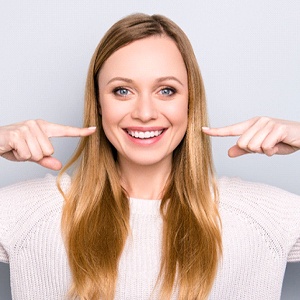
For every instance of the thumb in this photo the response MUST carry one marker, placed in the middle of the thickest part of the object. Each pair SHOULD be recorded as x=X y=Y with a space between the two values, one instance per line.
x=236 y=151
x=50 y=162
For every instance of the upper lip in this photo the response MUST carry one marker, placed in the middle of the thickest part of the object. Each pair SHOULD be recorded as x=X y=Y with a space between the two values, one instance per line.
x=144 y=129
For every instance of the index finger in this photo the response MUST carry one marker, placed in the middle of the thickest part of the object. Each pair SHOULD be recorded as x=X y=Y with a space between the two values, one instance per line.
x=231 y=130
x=57 y=130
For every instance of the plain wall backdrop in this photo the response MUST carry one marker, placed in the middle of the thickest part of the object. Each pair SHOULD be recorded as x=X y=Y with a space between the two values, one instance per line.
x=248 y=52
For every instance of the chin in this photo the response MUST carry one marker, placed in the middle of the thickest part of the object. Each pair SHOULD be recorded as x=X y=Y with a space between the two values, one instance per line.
x=146 y=160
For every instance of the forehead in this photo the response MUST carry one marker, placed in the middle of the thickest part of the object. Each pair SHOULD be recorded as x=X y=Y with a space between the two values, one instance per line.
x=152 y=57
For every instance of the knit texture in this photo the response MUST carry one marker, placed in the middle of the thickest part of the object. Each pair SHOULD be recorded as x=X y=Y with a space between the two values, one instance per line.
x=260 y=227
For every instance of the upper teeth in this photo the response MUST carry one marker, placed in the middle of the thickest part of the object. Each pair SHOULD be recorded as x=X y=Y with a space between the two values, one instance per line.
x=144 y=134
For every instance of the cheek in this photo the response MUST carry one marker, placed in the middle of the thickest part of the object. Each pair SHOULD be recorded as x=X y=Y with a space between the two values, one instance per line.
x=109 y=122
x=109 y=125
x=108 y=118
x=179 y=114
x=111 y=113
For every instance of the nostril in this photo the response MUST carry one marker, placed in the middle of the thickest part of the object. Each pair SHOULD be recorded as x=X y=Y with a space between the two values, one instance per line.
x=144 y=109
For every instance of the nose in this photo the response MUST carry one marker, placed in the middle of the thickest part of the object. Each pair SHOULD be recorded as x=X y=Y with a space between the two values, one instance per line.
x=144 y=108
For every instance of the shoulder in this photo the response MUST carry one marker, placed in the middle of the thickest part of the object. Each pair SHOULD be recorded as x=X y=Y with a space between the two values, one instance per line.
x=233 y=190
x=258 y=200
x=29 y=197
x=271 y=212
x=28 y=192
x=26 y=204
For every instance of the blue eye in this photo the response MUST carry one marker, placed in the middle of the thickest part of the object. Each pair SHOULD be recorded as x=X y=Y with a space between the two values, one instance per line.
x=120 y=91
x=167 y=91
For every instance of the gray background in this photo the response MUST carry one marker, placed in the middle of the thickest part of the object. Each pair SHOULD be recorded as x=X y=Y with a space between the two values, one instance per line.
x=248 y=51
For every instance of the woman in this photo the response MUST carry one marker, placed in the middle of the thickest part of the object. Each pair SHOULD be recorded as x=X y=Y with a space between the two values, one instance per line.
x=140 y=217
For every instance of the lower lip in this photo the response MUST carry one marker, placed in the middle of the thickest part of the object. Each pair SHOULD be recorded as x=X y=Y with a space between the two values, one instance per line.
x=145 y=142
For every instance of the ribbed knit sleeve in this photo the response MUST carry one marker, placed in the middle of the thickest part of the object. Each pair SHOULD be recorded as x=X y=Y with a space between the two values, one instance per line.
x=19 y=203
x=294 y=255
x=11 y=208
x=31 y=240
x=260 y=231
x=274 y=212
x=4 y=225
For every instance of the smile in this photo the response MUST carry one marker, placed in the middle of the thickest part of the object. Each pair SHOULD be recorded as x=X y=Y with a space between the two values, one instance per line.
x=144 y=134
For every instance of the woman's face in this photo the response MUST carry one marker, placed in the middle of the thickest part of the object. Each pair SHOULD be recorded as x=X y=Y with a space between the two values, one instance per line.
x=143 y=91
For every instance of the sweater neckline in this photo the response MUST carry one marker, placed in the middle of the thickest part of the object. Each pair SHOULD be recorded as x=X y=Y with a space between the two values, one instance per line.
x=144 y=206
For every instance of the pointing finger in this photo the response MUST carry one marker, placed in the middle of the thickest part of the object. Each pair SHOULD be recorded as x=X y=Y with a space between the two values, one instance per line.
x=67 y=131
x=232 y=130
x=56 y=130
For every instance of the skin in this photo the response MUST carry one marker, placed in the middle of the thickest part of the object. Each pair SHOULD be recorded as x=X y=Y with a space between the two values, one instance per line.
x=143 y=87
x=262 y=135
x=16 y=139
x=29 y=141
x=144 y=168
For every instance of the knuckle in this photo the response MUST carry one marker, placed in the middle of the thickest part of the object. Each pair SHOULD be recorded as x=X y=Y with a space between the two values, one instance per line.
x=40 y=122
x=44 y=126
x=268 y=149
x=37 y=157
x=24 y=128
x=48 y=152
x=14 y=135
x=256 y=148
x=30 y=123
x=257 y=118
x=265 y=119
x=280 y=128
x=24 y=157
x=241 y=144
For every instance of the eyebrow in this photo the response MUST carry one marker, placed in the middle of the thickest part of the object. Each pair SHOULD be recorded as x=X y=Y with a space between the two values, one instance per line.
x=120 y=79
x=158 y=80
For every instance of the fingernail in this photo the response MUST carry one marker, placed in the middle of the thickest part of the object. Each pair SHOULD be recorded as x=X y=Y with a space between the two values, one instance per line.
x=205 y=128
x=92 y=128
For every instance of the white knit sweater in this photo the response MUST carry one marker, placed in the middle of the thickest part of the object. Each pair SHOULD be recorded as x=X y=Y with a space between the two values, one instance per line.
x=261 y=226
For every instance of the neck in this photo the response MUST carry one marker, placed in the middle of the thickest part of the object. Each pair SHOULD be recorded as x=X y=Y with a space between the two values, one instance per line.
x=144 y=182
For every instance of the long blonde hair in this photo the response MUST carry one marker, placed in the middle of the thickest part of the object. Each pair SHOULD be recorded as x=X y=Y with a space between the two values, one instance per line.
x=95 y=220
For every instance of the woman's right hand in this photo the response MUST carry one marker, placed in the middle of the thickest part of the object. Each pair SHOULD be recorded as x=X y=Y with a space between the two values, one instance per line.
x=29 y=141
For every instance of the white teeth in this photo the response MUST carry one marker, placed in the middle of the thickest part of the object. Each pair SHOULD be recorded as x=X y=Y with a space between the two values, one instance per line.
x=144 y=134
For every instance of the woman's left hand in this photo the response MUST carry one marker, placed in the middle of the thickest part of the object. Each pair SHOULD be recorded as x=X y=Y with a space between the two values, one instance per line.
x=261 y=135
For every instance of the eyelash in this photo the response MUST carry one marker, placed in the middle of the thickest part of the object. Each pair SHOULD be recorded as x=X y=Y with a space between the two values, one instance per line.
x=119 y=88
x=173 y=91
